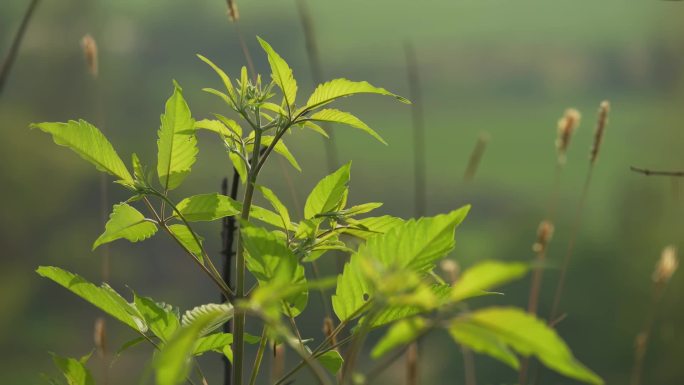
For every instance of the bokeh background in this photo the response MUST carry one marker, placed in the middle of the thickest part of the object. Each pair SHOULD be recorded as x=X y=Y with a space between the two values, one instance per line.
x=506 y=68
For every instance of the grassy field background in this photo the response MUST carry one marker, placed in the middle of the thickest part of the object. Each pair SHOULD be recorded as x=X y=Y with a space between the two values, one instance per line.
x=507 y=68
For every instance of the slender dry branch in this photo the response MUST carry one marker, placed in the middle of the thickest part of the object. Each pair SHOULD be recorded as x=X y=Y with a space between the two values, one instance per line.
x=11 y=56
x=665 y=267
x=419 y=182
x=476 y=157
x=648 y=172
x=313 y=54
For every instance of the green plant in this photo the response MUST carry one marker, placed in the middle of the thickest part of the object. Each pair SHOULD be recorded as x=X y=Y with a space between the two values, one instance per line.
x=388 y=280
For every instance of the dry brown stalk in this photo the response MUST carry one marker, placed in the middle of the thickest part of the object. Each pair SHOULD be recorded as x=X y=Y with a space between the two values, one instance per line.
x=665 y=268
x=566 y=127
x=476 y=156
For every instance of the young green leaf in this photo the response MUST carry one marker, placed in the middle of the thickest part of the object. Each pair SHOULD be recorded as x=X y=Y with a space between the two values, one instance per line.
x=138 y=170
x=328 y=193
x=279 y=148
x=223 y=76
x=215 y=126
x=126 y=222
x=397 y=312
x=240 y=166
x=281 y=73
x=416 y=244
x=177 y=144
x=277 y=205
x=485 y=276
x=172 y=363
x=103 y=297
x=88 y=142
x=74 y=371
x=337 y=116
x=331 y=360
x=161 y=318
x=222 y=313
x=525 y=334
x=339 y=88
x=208 y=207
x=273 y=263
x=400 y=333
x=185 y=237
x=353 y=290
x=371 y=226
x=213 y=342
x=483 y=340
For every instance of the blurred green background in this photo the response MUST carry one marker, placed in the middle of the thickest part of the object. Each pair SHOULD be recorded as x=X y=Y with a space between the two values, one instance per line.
x=507 y=68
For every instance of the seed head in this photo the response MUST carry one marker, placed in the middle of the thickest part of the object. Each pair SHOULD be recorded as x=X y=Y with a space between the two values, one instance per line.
x=451 y=268
x=604 y=108
x=89 y=47
x=233 y=13
x=328 y=328
x=544 y=235
x=100 y=336
x=566 y=127
x=666 y=266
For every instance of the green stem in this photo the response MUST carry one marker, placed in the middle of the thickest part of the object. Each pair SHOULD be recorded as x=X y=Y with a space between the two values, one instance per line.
x=259 y=357
x=213 y=272
x=239 y=343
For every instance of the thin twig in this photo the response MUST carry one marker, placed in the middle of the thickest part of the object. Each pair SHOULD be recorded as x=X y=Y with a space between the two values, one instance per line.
x=648 y=172
x=476 y=157
x=577 y=224
x=11 y=56
x=419 y=182
x=418 y=130
x=313 y=54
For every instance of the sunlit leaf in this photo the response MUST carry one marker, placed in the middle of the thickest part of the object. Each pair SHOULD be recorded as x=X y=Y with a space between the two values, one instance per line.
x=177 y=144
x=399 y=334
x=185 y=237
x=172 y=364
x=328 y=193
x=525 y=334
x=208 y=207
x=74 y=371
x=277 y=205
x=161 y=318
x=331 y=360
x=126 y=222
x=281 y=73
x=337 y=116
x=273 y=263
x=369 y=227
x=221 y=313
x=226 y=80
x=213 y=342
x=339 y=88
x=88 y=142
x=482 y=340
x=485 y=276
x=103 y=297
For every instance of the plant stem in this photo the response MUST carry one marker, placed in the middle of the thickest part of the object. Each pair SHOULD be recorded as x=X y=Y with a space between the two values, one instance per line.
x=228 y=234
x=571 y=245
x=16 y=42
x=213 y=272
x=643 y=337
x=313 y=55
x=259 y=357
x=648 y=172
x=239 y=332
x=419 y=182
